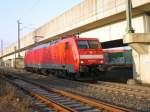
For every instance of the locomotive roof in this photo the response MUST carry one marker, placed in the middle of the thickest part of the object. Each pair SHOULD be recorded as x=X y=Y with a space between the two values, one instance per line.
x=44 y=45
x=55 y=41
x=39 y=46
x=84 y=38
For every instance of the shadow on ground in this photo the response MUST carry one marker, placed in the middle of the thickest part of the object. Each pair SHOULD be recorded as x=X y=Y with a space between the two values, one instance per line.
x=120 y=75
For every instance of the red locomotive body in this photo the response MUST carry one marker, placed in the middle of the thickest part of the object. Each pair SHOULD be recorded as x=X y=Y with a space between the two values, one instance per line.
x=71 y=56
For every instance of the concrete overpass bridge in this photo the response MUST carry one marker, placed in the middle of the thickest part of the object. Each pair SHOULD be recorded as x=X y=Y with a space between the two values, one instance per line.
x=107 y=15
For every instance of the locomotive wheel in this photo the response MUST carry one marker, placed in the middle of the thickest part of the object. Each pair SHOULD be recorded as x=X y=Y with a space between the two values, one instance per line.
x=68 y=76
x=56 y=73
x=59 y=73
x=77 y=76
x=73 y=77
x=44 y=71
x=63 y=73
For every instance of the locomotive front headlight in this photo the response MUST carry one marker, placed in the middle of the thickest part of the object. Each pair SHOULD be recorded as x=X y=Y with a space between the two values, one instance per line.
x=101 y=61
x=81 y=62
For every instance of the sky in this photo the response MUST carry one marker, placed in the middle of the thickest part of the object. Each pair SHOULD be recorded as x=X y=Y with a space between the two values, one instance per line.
x=31 y=13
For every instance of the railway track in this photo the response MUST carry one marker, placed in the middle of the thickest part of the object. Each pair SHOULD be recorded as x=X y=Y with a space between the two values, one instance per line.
x=137 y=91
x=135 y=98
x=143 y=91
x=121 y=88
x=39 y=103
x=62 y=101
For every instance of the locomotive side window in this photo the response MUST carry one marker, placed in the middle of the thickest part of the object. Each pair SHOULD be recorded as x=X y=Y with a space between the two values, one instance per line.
x=67 y=45
x=88 y=44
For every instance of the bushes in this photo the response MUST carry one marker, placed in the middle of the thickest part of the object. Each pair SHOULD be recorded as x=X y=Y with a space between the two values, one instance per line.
x=10 y=99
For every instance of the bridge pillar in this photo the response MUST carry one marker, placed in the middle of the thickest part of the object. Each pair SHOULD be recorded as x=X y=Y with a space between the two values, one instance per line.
x=140 y=43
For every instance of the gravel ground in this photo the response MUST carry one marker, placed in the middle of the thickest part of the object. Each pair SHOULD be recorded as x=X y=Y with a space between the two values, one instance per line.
x=121 y=99
x=11 y=99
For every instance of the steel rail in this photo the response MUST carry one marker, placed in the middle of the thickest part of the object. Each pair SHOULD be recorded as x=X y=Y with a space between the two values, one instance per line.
x=85 y=100
x=48 y=102
x=52 y=104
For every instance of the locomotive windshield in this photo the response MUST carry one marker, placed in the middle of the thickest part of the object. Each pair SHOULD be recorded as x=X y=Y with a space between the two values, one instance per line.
x=88 y=44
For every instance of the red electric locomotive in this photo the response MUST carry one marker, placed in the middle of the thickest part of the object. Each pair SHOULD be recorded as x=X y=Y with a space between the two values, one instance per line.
x=73 y=57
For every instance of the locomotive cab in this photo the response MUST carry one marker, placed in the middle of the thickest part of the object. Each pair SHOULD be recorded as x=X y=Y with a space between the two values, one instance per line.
x=90 y=55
